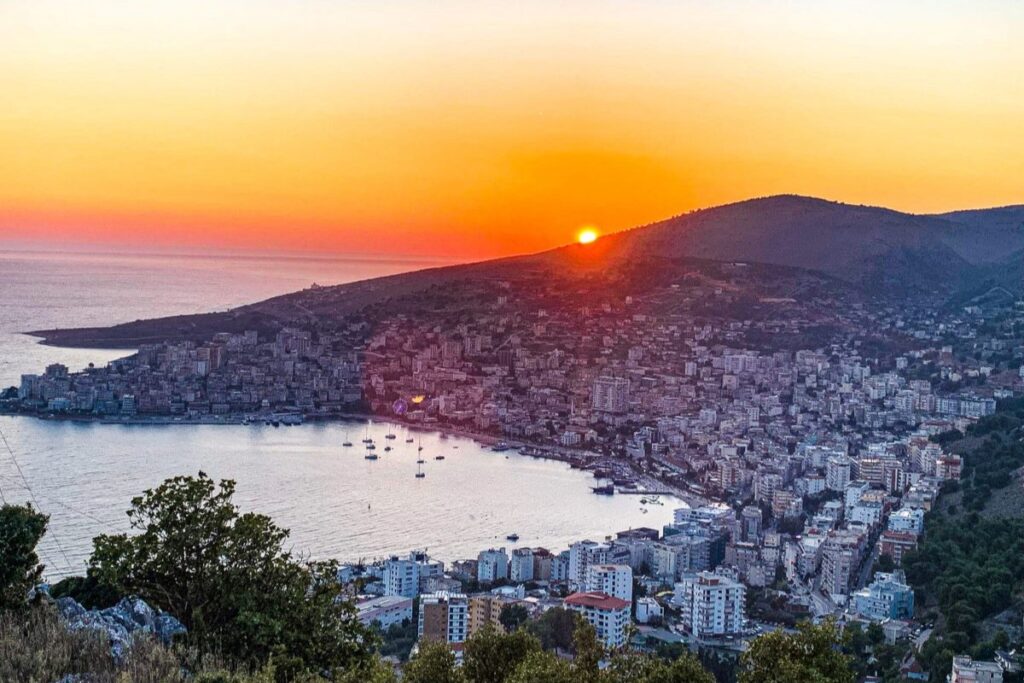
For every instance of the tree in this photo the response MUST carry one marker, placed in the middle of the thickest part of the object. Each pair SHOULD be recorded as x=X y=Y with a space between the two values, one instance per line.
x=554 y=629
x=374 y=671
x=21 y=529
x=434 y=663
x=643 y=669
x=543 y=667
x=811 y=655
x=885 y=563
x=588 y=650
x=226 y=577
x=491 y=656
x=513 y=616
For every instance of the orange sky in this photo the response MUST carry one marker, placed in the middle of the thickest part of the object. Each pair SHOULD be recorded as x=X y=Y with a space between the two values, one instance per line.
x=472 y=129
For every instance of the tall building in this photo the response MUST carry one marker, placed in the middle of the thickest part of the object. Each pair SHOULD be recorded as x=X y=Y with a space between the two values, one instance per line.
x=751 y=519
x=485 y=609
x=612 y=579
x=492 y=565
x=582 y=554
x=403 y=575
x=840 y=557
x=711 y=604
x=610 y=394
x=521 y=566
x=837 y=472
x=444 y=617
x=608 y=615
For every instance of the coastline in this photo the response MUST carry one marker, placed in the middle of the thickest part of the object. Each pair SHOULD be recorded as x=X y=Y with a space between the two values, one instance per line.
x=575 y=458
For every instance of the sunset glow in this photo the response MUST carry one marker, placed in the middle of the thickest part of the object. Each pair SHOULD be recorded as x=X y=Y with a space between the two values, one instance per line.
x=476 y=129
x=587 y=235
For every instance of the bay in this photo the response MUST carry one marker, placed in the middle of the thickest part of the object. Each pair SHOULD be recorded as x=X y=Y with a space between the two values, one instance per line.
x=336 y=504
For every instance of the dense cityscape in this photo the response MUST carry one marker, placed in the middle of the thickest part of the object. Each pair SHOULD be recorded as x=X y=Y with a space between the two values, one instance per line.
x=810 y=471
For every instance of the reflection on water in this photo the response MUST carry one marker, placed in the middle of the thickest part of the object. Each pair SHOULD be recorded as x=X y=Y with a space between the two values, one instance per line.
x=336 y=503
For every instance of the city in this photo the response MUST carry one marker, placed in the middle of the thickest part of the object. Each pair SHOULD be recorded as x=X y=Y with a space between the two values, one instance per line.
x=809 y=470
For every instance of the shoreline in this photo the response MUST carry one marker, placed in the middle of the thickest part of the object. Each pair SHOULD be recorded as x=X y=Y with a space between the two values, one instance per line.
x=575 y=459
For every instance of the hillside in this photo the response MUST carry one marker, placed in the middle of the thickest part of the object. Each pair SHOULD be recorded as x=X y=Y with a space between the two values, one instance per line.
x=879 y=251
x=987 y=235
x=870 y=246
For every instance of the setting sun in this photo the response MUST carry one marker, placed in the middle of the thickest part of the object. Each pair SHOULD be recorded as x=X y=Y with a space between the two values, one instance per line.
x=587 y=235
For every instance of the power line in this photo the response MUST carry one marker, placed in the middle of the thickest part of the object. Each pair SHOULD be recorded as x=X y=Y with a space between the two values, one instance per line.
x=32 y=496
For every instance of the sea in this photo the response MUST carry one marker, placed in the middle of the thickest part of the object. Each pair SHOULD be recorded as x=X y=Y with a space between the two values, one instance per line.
x=336 y=504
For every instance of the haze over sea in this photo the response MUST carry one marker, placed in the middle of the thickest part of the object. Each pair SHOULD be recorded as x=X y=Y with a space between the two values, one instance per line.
x=337 y=504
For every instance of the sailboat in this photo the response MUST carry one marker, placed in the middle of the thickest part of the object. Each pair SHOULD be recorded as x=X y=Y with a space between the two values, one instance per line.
x=420 y=460
x=421 y=444
x=367 y=439
x=420 y=473
x=347 y=443
x=370 y=455
x=390 y=435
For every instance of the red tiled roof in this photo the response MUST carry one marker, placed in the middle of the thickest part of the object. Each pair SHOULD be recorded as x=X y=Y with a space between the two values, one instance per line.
x=596 y=599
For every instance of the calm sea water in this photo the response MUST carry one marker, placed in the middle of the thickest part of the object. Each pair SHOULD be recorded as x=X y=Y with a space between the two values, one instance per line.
x=336 y=503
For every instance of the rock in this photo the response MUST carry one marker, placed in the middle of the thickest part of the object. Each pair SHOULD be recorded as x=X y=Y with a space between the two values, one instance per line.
x=167 y=627
x=121 y=623
x=69 y=608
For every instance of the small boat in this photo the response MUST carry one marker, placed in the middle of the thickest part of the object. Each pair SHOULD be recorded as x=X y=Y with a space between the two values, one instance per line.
x=409 y=440
x=500 y=446
x=438 y=457
x=420 y=473
x=387 y=448
x=643 y=501
x=420 y=461
x=371 y=456
x=606 y=490
x=347 y=444
x=390 y=436
x=420 y=447
x=512 y=537
x=370 y=447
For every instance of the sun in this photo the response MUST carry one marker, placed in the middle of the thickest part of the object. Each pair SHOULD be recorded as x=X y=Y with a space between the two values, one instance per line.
x=587 y=235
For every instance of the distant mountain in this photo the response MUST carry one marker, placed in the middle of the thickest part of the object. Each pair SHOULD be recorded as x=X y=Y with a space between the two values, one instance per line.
x=988 y=235
x=870 y=246
x=954 y=257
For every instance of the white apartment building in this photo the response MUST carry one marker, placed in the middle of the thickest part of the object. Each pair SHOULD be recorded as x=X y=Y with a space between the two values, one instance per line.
x=612 y=579
x=837 y=472
x=711 y=604
x=402 y=576
x=608 y=615
x=582 y=554
x=491 y=565
x=907 y=521
x=521 y=565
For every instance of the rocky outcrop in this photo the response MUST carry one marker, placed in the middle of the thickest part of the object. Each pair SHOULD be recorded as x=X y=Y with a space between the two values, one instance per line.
x=122 y=622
